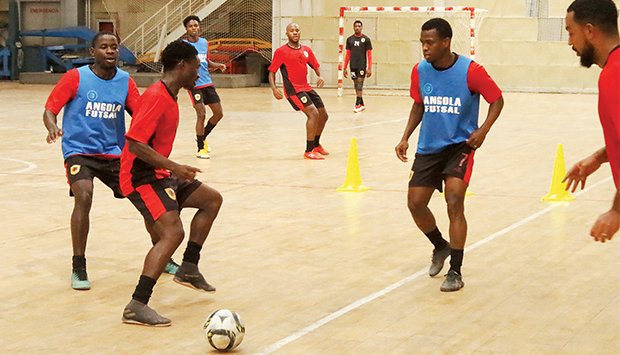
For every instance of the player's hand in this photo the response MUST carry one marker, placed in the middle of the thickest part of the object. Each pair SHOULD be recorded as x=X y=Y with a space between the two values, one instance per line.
x=186 y=172
x=53 y=134
x=606 y=226
x=368 y=73
x=477 y=137
x=401 y=150
x=222 y=67
x=580 y=172
x=320 y=82
x=345 y=73
x=277 y=94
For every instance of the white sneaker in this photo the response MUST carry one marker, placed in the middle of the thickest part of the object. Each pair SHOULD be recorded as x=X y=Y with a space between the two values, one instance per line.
x=202 y=154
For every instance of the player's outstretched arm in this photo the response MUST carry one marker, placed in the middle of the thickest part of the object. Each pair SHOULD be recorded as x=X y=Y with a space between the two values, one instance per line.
x=274 y=89
x=51 y=123
x=415 y=117
x=220 y=66
x=608 y=223
x=582 y=169
x=146 y=153
x=476 y=139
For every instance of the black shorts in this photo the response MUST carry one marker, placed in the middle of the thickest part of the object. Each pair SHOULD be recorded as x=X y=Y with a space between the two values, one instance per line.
x=358 y=73
x=87 y=167
x=431 y=169
x=207 y=95
x=153 y=200
x=304 y=99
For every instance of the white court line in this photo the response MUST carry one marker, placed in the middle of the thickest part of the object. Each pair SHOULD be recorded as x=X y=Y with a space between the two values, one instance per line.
x=362 y=301
x=29 y=166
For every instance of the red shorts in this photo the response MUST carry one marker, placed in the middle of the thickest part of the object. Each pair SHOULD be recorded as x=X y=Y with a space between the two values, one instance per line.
x=164 y=195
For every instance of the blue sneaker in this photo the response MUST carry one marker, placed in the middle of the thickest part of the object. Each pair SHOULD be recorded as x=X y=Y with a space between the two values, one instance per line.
x=171 y=267
x=79 y=280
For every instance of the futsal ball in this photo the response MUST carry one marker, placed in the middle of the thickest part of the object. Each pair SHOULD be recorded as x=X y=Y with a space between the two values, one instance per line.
x=224 y=329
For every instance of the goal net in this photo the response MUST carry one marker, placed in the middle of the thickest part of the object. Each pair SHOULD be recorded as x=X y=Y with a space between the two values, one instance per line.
x=394 y=32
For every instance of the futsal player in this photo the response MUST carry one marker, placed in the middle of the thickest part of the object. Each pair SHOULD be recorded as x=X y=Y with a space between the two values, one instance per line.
x=204 y=93
x=592 y=27
x=359 y=53
x=446 y=89
x=293 y=59
x=95 y=99
x=159 y=187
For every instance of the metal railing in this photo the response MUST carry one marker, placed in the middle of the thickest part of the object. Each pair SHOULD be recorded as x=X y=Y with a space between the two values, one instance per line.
x=144 y=38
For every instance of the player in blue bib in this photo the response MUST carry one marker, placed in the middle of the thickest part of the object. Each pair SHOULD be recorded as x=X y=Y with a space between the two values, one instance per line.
x=204 y=93
x=446 y=89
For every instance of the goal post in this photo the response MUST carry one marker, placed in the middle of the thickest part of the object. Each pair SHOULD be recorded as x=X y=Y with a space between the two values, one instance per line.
x=466 y=27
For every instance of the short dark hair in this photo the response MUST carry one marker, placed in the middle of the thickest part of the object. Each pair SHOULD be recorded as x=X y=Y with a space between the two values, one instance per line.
x=100 y=34
x=600 y=13
x=189 y=18
x=358 y=21
x=442 y=27
x=175 y=52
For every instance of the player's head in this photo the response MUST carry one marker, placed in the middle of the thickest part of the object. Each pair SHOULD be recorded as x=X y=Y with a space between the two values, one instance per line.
x=181 y=58
x=105 y=48
x=357 y=27
x=435 y=38
x=192 y=25
x=293 y=32
x=588 y=23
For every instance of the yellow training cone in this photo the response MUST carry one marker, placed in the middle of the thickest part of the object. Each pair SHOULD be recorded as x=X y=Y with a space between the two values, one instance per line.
x=558 y=191
x=353 y=179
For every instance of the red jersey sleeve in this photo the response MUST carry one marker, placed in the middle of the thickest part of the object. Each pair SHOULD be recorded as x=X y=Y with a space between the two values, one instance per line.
x=63 y=92
x=314 y=64
x=145 y=120
x=133 y=95
x=414 y=90
x=479 y=81
x=277 y=61
x=609 y=96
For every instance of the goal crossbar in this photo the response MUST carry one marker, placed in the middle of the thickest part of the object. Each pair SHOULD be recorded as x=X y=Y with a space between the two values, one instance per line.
x=472 y=11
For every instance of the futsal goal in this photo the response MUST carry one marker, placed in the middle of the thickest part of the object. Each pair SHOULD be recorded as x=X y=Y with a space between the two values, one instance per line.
x=395 y=31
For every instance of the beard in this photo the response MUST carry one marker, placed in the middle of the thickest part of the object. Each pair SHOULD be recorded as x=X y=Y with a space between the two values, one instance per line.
x=586 y=58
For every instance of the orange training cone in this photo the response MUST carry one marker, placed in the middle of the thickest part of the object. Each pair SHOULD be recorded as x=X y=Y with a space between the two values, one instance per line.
x=353 y=178
x=558 y=191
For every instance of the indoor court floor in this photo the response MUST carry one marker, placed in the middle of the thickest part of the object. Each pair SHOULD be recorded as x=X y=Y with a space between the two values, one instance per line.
x=309 y=269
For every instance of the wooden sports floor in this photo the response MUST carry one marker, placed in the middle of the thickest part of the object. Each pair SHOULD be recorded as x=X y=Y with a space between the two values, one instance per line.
x=309 y=269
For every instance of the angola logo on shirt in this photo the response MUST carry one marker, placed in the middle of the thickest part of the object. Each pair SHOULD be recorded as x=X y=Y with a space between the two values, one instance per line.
x=304 y=99
x=171 y=193
x=363 y=40
x=306 y=54
x=75 y=169
x=92 y=95
x=428 y=88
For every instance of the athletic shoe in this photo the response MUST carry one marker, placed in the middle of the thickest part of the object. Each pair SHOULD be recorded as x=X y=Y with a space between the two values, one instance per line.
x=362 y=108
x=188 y=275
x=320 y=150
x=138 y=313
x=439 y=257
x=312 y=155
x=79 y=280
x=453 y=282
x=171 y=267
x=357 y=108
x=207 y=147
x=202 y=154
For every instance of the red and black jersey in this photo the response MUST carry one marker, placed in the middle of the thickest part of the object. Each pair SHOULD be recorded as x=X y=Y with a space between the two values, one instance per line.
x=609 y=110
x=293 y=64
x=155 y=123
